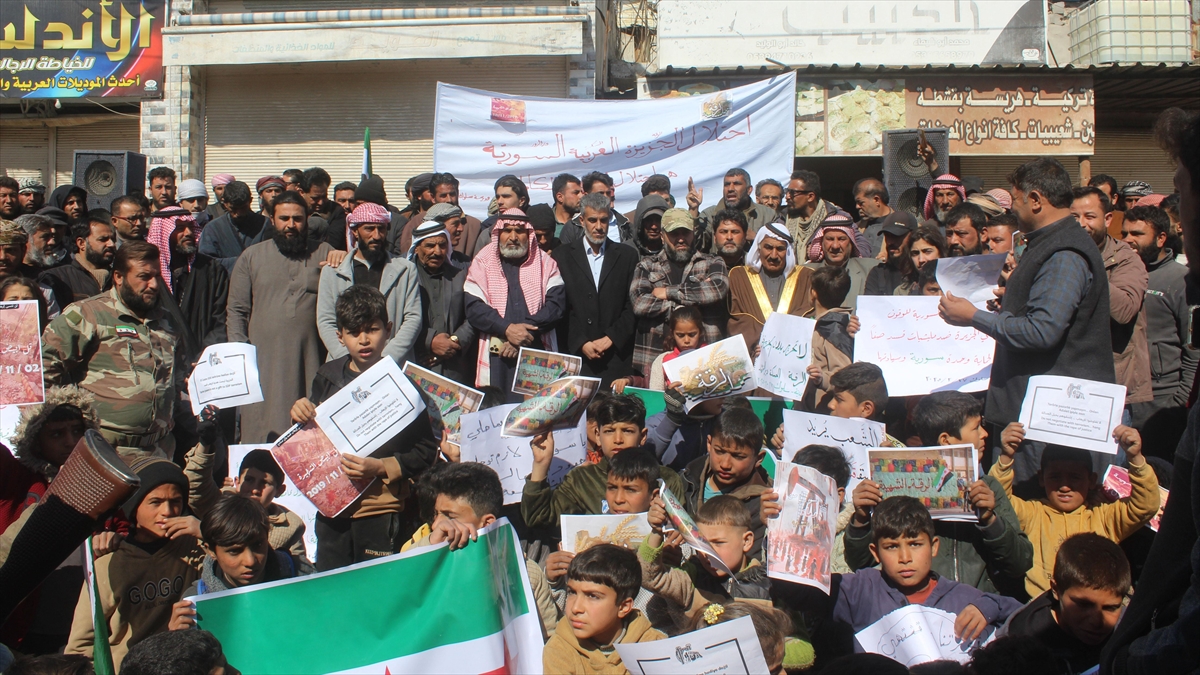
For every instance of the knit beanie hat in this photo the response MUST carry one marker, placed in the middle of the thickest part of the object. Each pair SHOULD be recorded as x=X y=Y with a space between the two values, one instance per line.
x=153 y=472
x=371 y=190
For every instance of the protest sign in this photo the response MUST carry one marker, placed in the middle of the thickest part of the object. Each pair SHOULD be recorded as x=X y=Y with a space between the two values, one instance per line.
x=1072 y=412
x=1118 y=486
x=728 y=648
x=363 y=415
x=721 y=369
x=854 y=436
x=580 y=533
x=20 y=354
x=512 y=458
x=558 y=405
x=972 y=276
x=785 y=352
x=940 y=476
x=917 y=351
x=291 y=498
x=537 y=368
x=629 y=140
x=449 y=397
x=226 y=375
x=917 y=634
x=485 y=619
x=800 y=539
x=683 y=523
x=314 y=466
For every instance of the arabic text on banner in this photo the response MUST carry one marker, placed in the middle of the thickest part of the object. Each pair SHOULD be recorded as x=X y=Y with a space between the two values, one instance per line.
x=512 y=458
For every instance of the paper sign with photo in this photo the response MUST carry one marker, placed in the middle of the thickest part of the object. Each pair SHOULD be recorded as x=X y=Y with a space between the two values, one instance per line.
x=800 y=540
x=785 y=352
x=972 y=277
x=512 y=458
x=681 y=522
x=20 y=354
x=558 y=405
x=451 y=398
x=721 y=369
x=939 y=476
x=622 y=529
x=855 y=436
x=226 y=375
x=917 y=351
x=917 y=634
x=314 y=466
x=1118 y=486
x=378 y=404
x=291 y=498
x=537 y=368
x=1072 y=412
x=727 y=648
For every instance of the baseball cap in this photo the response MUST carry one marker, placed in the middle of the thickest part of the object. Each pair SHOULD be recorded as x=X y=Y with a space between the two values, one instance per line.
x=674 y=219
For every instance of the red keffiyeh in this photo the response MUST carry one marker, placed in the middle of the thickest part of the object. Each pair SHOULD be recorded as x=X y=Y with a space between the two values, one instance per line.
x=162 y=226
x=946 y=180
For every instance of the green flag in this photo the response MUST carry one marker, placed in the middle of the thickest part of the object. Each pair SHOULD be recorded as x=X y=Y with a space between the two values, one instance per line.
x=366 y=168
x=101 y=652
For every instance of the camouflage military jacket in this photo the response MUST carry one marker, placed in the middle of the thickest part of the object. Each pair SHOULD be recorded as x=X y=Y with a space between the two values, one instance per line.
x=126 y=362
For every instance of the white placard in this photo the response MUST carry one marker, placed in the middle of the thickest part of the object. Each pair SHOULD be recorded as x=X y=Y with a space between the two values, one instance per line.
x=917 y=351
x=972 y=277
x=291 y=498
x=854 y=436
x=479 y=135
x=917 y=634
x=715 y=371
x=800 y=539
x=785 y=353
x=729 y=648
x=1072 y=412
x=512 y=458
x=371 y=410
x=226 y=375
x=622 y=529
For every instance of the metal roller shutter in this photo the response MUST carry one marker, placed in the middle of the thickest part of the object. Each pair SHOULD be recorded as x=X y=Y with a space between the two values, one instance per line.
x=994 y=170
x=262 y=120
x=24 y=152
x=122 y=133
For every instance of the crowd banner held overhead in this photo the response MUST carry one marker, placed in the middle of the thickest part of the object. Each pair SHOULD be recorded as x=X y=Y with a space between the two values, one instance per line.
x=430 y=610
x=78 y=48
x=481 y=135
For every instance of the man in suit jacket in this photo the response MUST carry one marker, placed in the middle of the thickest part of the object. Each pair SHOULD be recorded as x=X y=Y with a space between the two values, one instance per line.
x=597 y=273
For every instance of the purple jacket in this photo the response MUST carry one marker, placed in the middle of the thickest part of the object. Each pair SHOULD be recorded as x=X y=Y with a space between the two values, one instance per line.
x=865 y=596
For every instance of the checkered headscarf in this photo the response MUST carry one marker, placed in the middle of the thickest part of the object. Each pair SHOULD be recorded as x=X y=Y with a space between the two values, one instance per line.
x=162 y=227
x=946 y=180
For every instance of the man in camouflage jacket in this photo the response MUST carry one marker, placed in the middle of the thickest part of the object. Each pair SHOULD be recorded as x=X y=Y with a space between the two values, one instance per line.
x=120 y=346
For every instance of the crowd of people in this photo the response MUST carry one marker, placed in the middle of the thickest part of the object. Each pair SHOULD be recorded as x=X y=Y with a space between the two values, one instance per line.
x=1058 y=575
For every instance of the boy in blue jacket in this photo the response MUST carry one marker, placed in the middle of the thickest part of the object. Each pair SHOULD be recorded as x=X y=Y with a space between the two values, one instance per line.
x=904 y=545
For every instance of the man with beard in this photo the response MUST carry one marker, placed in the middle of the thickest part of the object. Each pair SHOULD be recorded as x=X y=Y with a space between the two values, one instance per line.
x=568 y=191
x=120 y=346
x=514 y=298
x=1133 y=192
x=45 y=248
x=237 y=230
x=946 y=193
x=13 y=243
x=834 y=245
x=71 y=199
x=268 y=188
x=32 y=195
x=273 y=306
x=620 y=230
x=1173 y=367
x=736 y=195
x=597 y=273
x=10 y=202
x=678 y=275
x=998 y=233
x=730 y=237
x=770 y=281
x=885 y=278
x=446 y=343
x=371 y=264
x=1127 y=284
x=871 y=198
x=647 y=222
x=89 y=271
x=128 y=219
x=197 y=284
x=658 y=184
x=162 y=187
x=964 y=230
x=805 y=209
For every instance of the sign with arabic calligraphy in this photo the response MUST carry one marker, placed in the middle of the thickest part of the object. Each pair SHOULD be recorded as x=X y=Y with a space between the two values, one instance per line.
x=917 y=351
x=939 y=476
x=76 y=48
x=511 y=458
x=853 y=436
x=21 y=354
x=698 y=138
x=314 y=466
x=785 y=352
x=721 y=369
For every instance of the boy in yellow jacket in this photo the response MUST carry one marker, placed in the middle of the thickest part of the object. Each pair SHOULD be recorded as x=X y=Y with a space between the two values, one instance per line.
x=1071 y=504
